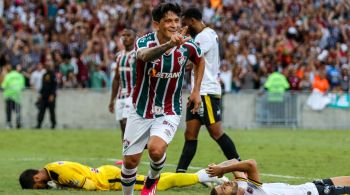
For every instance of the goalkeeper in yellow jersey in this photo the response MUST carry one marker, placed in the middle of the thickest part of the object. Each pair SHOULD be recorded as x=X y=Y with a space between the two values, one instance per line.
x=65 y=174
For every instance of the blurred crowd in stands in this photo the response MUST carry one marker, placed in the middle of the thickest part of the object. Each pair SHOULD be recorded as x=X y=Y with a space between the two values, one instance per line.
x=306 y=40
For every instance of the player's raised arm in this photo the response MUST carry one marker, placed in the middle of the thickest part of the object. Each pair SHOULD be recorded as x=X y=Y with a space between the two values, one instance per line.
x=150 y=54
x=248 y=166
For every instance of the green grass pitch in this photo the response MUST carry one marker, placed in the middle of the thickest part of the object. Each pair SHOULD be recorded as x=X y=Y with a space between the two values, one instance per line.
x=292 y=156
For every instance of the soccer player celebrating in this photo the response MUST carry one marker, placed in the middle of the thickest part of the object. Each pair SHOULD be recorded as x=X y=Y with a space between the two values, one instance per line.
x=161 y=58
x=249 y=183
x=124 y=79
x=72 y=175
x=210 y=112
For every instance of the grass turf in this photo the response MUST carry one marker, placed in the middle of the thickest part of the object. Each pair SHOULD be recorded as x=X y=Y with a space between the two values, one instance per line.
x=303 y=154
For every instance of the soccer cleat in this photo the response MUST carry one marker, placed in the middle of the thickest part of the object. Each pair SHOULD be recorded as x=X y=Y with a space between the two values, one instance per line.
x=118 y=162
x=150 y=186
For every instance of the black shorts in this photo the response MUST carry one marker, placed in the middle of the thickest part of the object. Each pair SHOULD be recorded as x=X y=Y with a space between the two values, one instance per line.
x=209 y=112
x=327 y=187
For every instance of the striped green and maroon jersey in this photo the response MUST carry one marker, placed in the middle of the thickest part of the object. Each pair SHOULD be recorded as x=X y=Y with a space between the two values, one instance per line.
x=126 y=64
x=158 y=85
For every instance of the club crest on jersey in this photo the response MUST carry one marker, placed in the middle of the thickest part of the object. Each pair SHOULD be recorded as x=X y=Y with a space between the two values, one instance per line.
x=182 y=59
x=157 y=110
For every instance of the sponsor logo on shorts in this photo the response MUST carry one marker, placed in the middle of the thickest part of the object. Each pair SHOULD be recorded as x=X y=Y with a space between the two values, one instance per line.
x=167 y=133
x=169 y=124
x=126 y=144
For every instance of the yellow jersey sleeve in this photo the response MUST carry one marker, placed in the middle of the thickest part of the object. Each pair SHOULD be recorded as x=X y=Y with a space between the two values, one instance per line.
x=67 y=174
x=89 y=185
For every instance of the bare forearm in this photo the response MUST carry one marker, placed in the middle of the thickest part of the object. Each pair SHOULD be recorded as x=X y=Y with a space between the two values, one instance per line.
x=150 y=54
x=228 y=162
x=115 y=87
x=198 y=74
x=235 y=173
x=248 y=166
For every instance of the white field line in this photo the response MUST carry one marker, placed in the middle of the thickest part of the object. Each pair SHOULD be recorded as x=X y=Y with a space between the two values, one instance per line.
x=28 y=159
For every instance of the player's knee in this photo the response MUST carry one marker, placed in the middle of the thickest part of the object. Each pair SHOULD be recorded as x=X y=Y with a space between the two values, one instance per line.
x=216 y=135
x=156 y=153
x=131 y=163
x=190 y=135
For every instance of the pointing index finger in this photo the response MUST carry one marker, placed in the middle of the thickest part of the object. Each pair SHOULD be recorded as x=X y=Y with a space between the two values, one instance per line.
x=184 y=30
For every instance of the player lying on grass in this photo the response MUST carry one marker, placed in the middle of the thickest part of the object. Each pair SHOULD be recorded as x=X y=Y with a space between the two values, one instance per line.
x=65 y=174
x=251 y=185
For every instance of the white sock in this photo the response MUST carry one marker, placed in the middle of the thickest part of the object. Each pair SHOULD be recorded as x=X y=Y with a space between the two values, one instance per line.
x=156 y=167
x=203 y=176
x=128 y=179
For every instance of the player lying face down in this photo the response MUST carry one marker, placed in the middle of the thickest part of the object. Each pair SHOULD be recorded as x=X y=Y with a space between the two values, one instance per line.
x=72 y=175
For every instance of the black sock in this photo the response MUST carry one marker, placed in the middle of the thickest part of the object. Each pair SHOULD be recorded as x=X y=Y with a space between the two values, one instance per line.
x=228 y=147
x=188 y=152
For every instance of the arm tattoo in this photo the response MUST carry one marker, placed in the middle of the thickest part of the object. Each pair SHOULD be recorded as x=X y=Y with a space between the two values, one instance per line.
x=150 y=54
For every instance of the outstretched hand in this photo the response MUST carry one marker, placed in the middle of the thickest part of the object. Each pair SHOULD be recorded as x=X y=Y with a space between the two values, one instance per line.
x=179 y=38
x=214 y=170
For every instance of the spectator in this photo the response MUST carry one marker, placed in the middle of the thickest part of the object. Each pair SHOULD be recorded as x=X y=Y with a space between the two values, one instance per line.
x=293 y=79
x=305 y=84
x=226 y=77
x=70 y=81
x=36 y=78
x=249 y=78
x=344 y=79
x=321 y=83
x=98 y=78
x=66 y=66
x=265 y=34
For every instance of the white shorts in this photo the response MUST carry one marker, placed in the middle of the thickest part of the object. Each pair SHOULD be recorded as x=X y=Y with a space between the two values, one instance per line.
x=138 y=130
x=122 y=108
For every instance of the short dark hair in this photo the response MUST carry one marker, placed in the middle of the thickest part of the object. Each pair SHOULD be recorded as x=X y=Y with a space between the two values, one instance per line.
x=129 y=28
x=160 y=10
x=213 y=192
x=26 y=178
x=193 y=12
